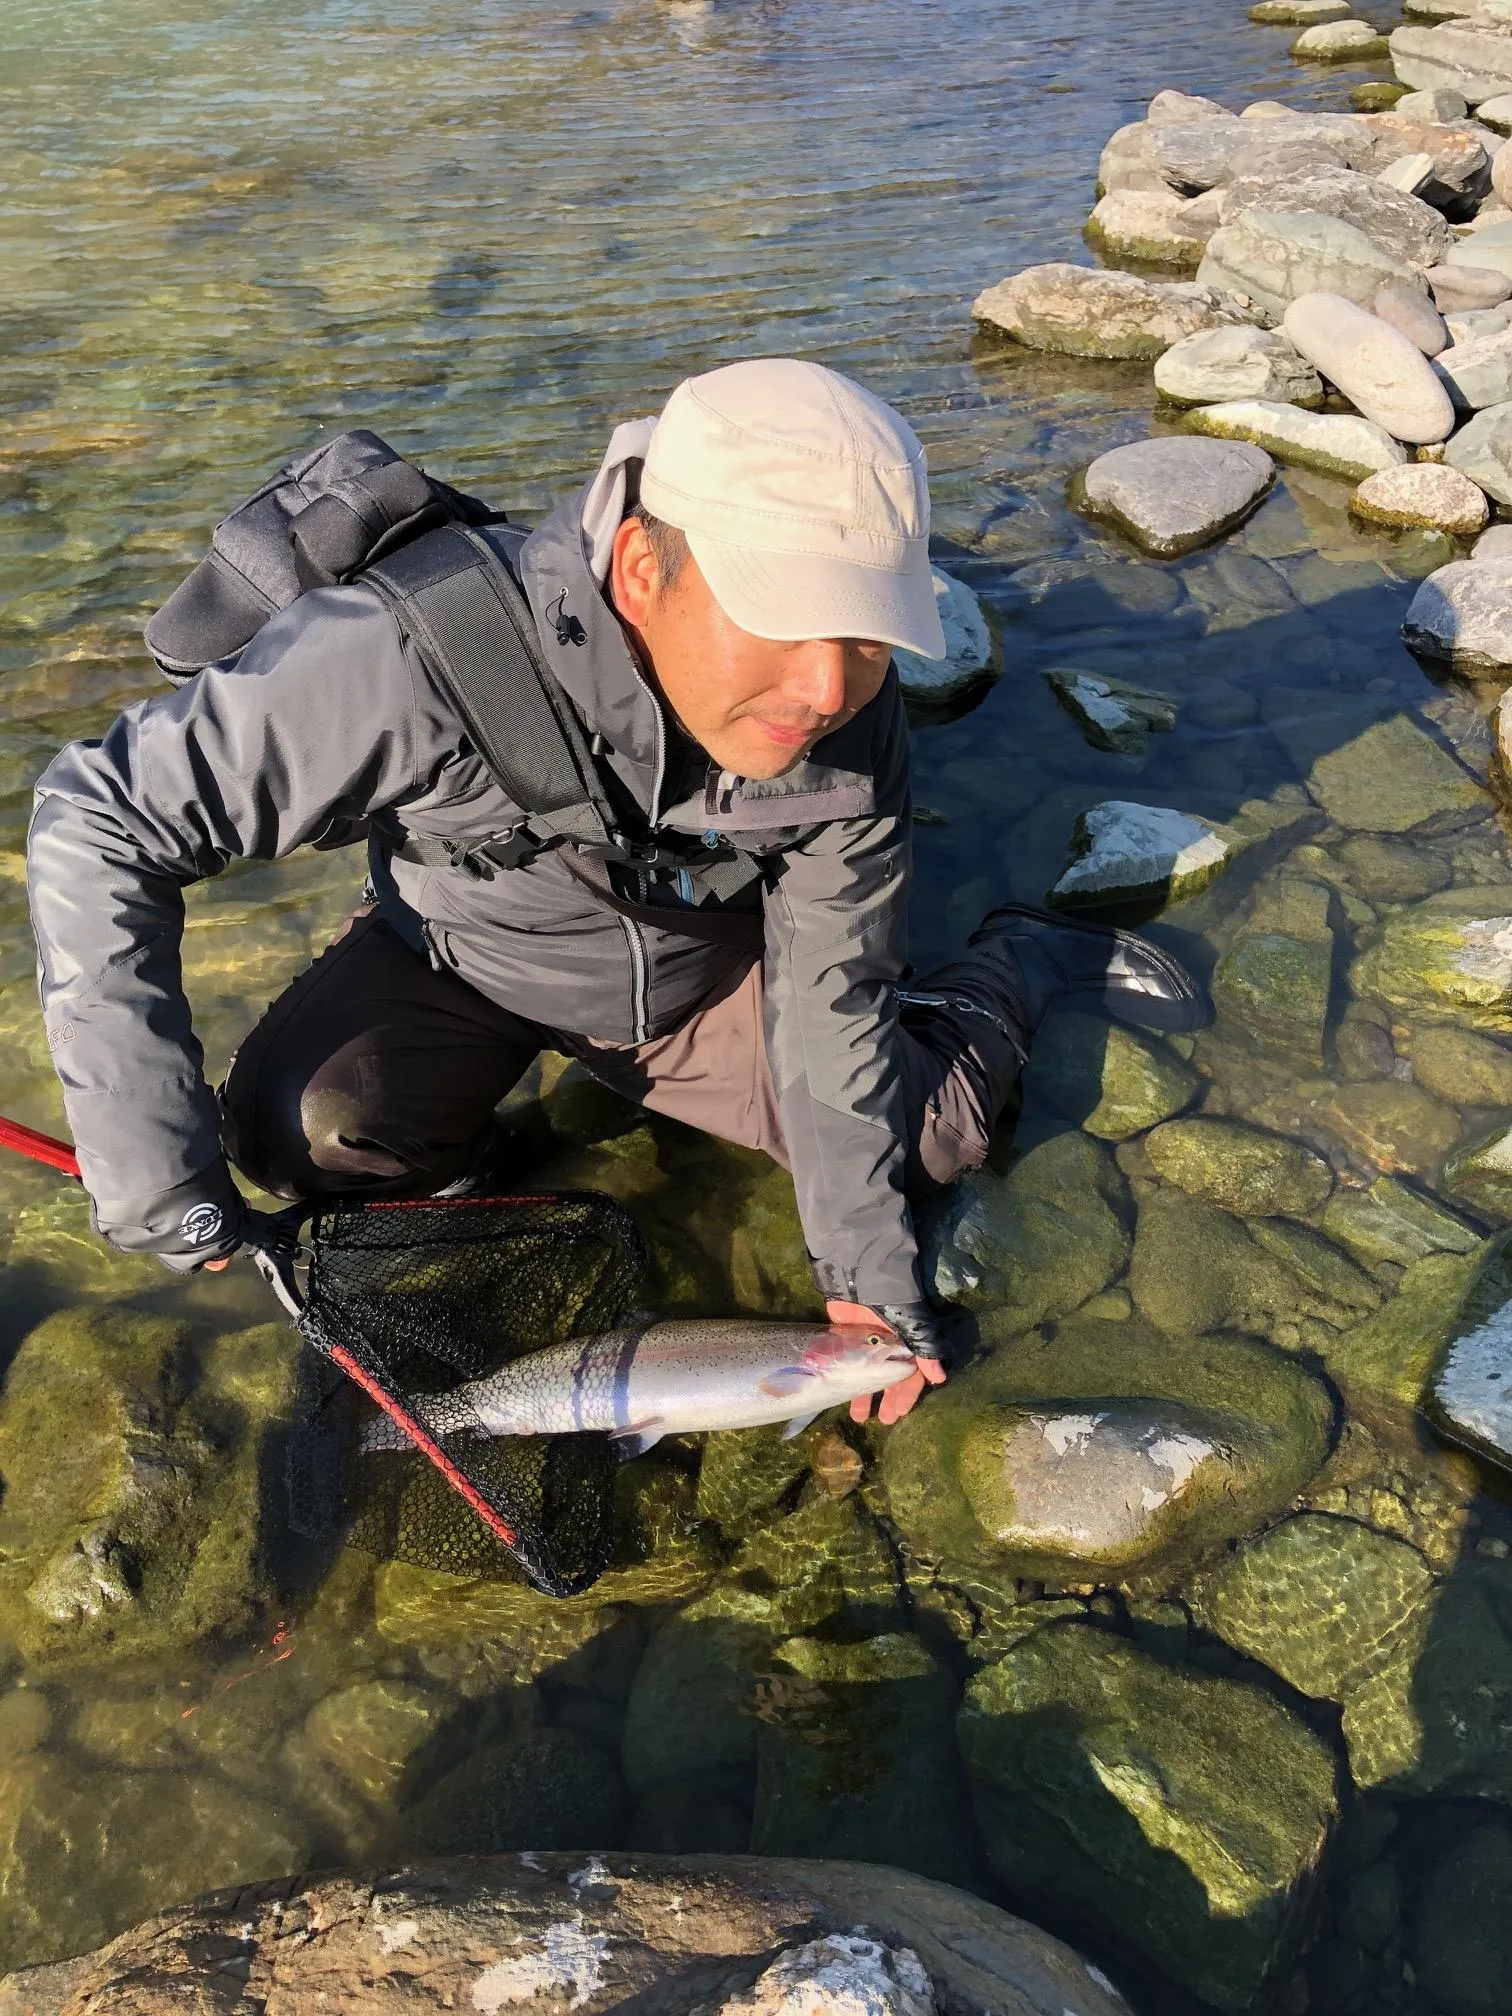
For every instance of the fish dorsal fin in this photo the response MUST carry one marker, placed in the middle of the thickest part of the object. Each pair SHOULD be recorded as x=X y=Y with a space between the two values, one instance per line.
x=786 y=1381
x=638 y=1437
x=796 y=1426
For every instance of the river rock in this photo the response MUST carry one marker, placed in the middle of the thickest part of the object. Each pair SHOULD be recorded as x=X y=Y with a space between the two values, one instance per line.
x=1422 y=493
x=1297 y=13
x=1458 y=56
x=1154 y=226
x=1480 y=1171
x=969 y=650
x=1198 y=1269
x=1490 y=247
x=1440 y=108
x=1495 y=543
x=1092 y=312
x=1075 y=1739
x=1460 y=288
x=1467 y=1069
x=1471 y=1394
x=1176 y=108
x=1461 y=164
x=1274 y=256
x=1219 y=364
x=1391 y=1125
x=1276 y=977
x=1173 y=495
x=1340 y=42
x=884 y=1710
x=542 y=1789
x=1081 y=1455
x=1111 y=714
x=1462 y=614
x=1193 y=154
x=1255 y=1174
x=1125 y=853
x=1389 y=1221
x=1127 y=162
x=1477 y=322
x=565 y=1932
x=1036 y=1242
x=1394 y=871
x=377 y=1736
x=1407 y=230
x=1115 y=1082
x=1410 y=310
x=1482 y=449
x=1461 y=1939
x=1394 y=778
x=1375 y=366
x=1477 y=373
x=1338 y=444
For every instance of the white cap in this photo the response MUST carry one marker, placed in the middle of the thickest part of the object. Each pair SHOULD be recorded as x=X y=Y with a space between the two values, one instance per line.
x=805 y=502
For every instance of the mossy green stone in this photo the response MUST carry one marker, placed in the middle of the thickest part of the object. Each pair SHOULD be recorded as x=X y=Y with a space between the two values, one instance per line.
x=376 y=1736
x=1481 y=1172
x=825 y=1561
x=1318 y=1262
x=1318 y=1600
x=1275 y=1417
x=1037 y=1242
x=1395 y=1352
x=1389 y=1221
x=1447 y=959
x=744 y=1472
x=1185 y=1814
x=1277 y=976
x=1394 y=871
x=1394 y=778
x=1465 y=1069
x=545 y=1789
x=1239 y=1167
x=1115 y=1082
x=1196 y=1268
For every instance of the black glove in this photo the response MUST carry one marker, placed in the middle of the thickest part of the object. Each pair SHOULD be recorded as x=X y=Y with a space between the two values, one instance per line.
x=924 y=1329
x=202 y=1219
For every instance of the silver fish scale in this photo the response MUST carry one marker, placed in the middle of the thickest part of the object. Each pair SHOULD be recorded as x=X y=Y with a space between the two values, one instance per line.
x=550 y=1392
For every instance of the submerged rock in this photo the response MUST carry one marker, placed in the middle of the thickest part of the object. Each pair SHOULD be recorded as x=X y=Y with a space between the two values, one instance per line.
x=567 y=1931
x=1395 y=1352
x=1218 y=364
x=1109 y=713
x=1102 y=1449
x=1197 y=1269
x=1036 y=1242
x=1466 y=1069
x=1422 y=493
x=1389 y=1221
x=1114 y=1081
x=1340 y=42
x=1185 y=1814
x=1123 y=853
x=1338 y=444
x=969 y=649
x=1277 y=975
x=1173 y=495
x=1089 y=312
x=1462 y=616
x=1155 y=226
x=1461 y=1939
x=1395 y=778
x=1275 y=256
x=544 y=1789
x=1239 y=1167
x=1447 y=959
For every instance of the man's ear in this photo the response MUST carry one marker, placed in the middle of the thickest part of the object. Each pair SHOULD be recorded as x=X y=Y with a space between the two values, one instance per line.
x=634 y=577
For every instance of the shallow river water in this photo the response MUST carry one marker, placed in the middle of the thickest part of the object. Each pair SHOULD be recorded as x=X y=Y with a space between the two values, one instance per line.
x=1267 y=1764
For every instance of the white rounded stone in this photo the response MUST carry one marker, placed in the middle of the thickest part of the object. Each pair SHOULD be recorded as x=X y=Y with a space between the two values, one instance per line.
x=1378 y=369
x=1461 y=287
x=969 y=651
x=1410 y=310
x=1339 y=444
x=1462 y=616
x=1422 y=493
x=1495 y=543
x=1340 y=42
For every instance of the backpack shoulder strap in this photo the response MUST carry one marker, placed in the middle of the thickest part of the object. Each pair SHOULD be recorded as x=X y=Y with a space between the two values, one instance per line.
x=458 y=599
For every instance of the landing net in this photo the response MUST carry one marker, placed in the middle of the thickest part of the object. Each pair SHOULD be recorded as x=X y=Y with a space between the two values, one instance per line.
x=416 y=1299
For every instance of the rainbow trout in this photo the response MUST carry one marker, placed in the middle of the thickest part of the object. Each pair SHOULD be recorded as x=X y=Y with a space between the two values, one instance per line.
x=667 y=1379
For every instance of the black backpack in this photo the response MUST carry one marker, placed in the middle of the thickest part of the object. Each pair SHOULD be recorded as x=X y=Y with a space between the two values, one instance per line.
x=355 y=508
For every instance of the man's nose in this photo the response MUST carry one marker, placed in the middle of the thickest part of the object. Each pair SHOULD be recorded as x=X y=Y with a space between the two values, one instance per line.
x=816 y=676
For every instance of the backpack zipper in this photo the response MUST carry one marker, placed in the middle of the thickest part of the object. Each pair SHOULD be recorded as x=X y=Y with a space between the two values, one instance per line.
x=640 y=981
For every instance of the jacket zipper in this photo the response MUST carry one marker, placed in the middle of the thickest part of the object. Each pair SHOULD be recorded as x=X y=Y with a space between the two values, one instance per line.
x=640 y=981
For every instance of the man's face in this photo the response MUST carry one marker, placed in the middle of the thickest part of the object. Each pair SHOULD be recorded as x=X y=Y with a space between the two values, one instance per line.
x=754 y=705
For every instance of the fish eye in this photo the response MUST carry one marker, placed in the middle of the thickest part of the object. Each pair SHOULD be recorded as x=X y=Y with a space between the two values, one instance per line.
x=875 y=1337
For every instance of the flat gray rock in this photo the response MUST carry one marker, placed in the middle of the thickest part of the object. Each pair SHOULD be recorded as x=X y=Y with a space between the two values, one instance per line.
x=1236 y=364
x=1477 y=373
x=1457 y=56
x=1175 y=495
x=1193 y=155
x=1273 y=256
x=1462 y=616
x=1378 y=369
x=1340 y=444
x=1410 y=231
x=1483 y=450
x=1086 y=311
x=1110 y=713
x=1438 y=107
x=1461 y=287
x=1410 y=310
x=1489 y=249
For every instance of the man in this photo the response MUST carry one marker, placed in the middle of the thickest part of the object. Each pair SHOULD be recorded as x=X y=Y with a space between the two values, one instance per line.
x=719 y=605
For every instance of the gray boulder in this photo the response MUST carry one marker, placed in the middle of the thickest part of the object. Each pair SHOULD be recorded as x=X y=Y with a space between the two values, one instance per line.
x=1478 y=373
x=1439 y=107
x=1194 y=154
x=1460 y=288
x=1174 y=495
x=1458 y=56
x=1083 y=311
x=1482 y=449
x=1410 y=310
x=1378 y=369
x=1154 y=226
x=1218 y=364
x=1462 y=616
x=1272 y=257
x=1488 y=249
x=1409 y=231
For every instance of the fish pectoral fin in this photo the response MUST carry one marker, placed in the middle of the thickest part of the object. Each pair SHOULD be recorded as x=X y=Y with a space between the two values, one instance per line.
x=638 y=1437
x=786 y=1381
x=796 y=1426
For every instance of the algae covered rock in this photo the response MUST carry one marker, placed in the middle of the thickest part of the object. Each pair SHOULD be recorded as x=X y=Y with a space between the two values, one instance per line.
x=1480 y=1171
x=1395 y=1352
x=1394 y=778
x=1037 y=1242
x=376 y=1736
x=1197 y=1268
x=744 y=1472
x=1239 y=1167
x=1389 y=1221
x=1447 y=959
x=1103 y=1448
x=856 y=1757
x=1276 y=977
x=1185 y=1814
x=543 y=1789
x=1466 y=1069
x=1115 y=1081
x=1393 y=1125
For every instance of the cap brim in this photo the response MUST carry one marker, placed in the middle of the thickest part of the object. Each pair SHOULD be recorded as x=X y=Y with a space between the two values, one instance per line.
x=792 y=596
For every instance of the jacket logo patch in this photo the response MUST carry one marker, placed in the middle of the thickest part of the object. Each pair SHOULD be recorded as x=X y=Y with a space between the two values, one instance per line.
x=200 y=1224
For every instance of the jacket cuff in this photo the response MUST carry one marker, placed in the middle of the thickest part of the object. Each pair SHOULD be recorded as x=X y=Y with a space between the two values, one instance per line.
x=198 y=1220
x=870 y=1286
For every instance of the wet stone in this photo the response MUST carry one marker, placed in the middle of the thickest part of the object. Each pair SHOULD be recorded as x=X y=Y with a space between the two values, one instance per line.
x=1156 y=227
x=1218 y=364
x=1173 y=495
x=1472 y=1390
x=1394 y=1126
x=1110 y=714
x=1457 y=1065
x=743 y=1473
x=1197 y=1269
x=545 y=1789
x=1389 y=1221
x=1123 y=852
x=1185 y=1814
x=1114 y=1081
x=1240 y=1168
x=1462 y=616
x=1289 y=13
x=1277 y=976
x=376 y=1736
x=1447 y=959
x=1480 y=1171
x=1338 y=444
x=1393 y=871
x=1394 y=778
x=969 y=649
x=1084 y=312
x=1461 y=1932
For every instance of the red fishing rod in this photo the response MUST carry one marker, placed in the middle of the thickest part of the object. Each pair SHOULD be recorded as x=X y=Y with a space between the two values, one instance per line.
x=273 y=1241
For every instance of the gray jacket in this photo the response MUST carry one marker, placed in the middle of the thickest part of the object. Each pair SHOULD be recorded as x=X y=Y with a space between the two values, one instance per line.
x=328 y=717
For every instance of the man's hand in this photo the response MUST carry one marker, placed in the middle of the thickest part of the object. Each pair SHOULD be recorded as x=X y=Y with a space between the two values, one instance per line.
x=897 y=1400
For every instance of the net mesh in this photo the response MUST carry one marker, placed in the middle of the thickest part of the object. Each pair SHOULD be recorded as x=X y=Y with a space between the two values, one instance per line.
x=414 y=1300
